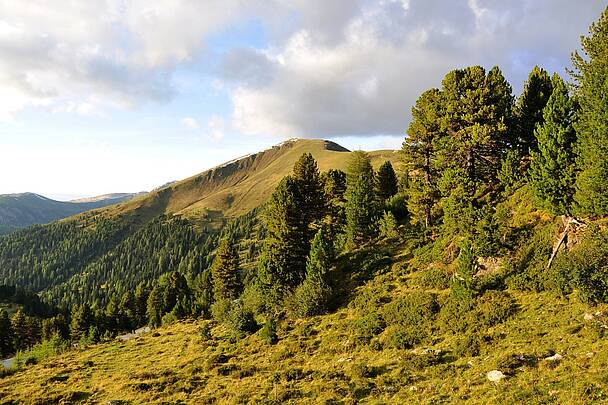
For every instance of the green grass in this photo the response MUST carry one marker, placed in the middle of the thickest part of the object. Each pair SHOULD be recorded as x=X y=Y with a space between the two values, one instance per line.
x=320 y=360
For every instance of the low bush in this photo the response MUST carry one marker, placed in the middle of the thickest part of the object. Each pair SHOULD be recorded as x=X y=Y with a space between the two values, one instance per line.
x=413 y=309
x=404 y=337
x=367 y=327
x=435 y=277
x=269 y=331
x=310 y=298
x=494 y=307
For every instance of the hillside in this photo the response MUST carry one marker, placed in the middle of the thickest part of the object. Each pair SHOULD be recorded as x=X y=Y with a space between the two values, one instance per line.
x=551 y=348
x=236 y=187
x=163 y=226
x=26 y=209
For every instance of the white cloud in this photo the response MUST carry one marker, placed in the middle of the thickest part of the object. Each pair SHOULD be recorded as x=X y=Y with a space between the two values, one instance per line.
x=190 y=123
x=217 y=127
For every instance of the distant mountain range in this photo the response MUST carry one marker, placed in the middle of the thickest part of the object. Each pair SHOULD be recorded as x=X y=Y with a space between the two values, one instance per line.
x=25 y=209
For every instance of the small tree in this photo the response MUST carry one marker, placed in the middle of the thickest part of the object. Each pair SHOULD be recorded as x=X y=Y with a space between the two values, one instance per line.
x=6 y=334
x=225 y=268
x=82 y=320
x=20 y=330
x=553 y=168
x=386 y=181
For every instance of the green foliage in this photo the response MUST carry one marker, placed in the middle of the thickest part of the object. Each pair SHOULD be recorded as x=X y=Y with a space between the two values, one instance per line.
x=494 y=307
x=590 y=72
x=529 y=109
x=553 y=170
x=269 y=331
x=361 y=204
x=463 y=285
x=435 y=277
x=413 y=309
x=367 y=327
x=225 y=272
x=283 y=260
x=405 y=336
x=388 y=226
x=397 y=205
x=386 y=179
x=419 y=153
x=584 y=268
x=6 y=334
x=240 y=320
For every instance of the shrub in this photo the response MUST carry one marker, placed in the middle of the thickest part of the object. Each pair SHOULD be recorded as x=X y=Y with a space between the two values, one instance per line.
x=240 y=320
x=388 y=226
x=454 y=315
x=310 y=298
x=368 y=327
x=415 y=308
x=397 y=205
x=220 y=310
x=405 y=337
x=435 y=277
x=468 y=345
x=494 y=307
x=204 y=331
x=269 y=331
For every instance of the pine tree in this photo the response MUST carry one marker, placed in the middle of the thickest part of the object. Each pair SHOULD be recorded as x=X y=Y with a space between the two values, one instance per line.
x=419 y=153
x=362 y=207
x=591 y=73
x=313 y=295
x=529 y=109
x=6 y=334
x=553 y=168
x=282 y=262
x=155 y=306
x=386 y=181
x=225 y=272
x=311 y=195
x=82 y=320
x=334 y=182
x=128 y=311
x=141 y=303
x=20 y=330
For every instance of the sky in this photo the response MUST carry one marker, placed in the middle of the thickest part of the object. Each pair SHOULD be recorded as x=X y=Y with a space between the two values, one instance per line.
x=103 y=96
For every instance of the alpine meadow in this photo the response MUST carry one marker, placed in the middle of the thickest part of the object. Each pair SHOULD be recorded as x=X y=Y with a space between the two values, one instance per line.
x=468 y=266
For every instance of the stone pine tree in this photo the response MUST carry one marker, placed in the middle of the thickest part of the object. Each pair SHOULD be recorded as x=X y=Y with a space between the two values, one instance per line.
x=313 y=295
x=386 y=181
x=419 y=154
x=6 y=334
x=20 y=330
x=362 y=208
x=282 y=264
x=529 y=109
x=141 y=303
x=225 y=272
x=591 y=77
x=553 y=167
x=312 y=199
x=334 y=184
x=81 y=321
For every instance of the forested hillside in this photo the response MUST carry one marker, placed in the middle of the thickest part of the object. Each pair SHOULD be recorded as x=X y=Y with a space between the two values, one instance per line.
x=472 y=268
x=22 y=210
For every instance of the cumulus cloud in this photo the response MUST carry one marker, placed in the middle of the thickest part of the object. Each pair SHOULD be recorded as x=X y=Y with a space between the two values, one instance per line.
x=363 y=73
x=328 y=68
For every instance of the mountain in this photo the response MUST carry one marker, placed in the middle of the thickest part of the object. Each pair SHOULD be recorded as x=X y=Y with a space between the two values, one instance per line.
x=25 y=209
x=111 y=250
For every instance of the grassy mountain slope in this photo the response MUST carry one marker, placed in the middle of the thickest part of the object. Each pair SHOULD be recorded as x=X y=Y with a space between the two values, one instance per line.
x=340 y=357
x=21 y=210
x=237 y=187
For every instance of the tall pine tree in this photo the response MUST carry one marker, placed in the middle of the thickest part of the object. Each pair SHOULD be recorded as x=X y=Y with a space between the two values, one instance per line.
x=553 y=168
x=419 y=153
x=282 y=262
x=529 y=109
x=362 y=209
x=225 y=272
x=20 y=330
x=312 y=199
x=591 y=76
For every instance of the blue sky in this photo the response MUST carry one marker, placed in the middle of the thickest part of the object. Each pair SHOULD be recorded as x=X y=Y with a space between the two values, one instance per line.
x=117 y=96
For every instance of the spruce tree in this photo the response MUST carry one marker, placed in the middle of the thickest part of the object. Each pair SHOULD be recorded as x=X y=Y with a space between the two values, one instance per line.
x=386 y=181
x=282 y=262
x=529 y=109
x=419 y=154
x=553 y=168
x=590 y=74
x=6 y=334
x=20 y=330
x=225 y=269
x=362 y=207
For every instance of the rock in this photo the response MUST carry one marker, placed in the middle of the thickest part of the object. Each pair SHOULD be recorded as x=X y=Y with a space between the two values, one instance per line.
x=590 y=354
x=496 y=375
x=555 y=357
x=588 y=317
